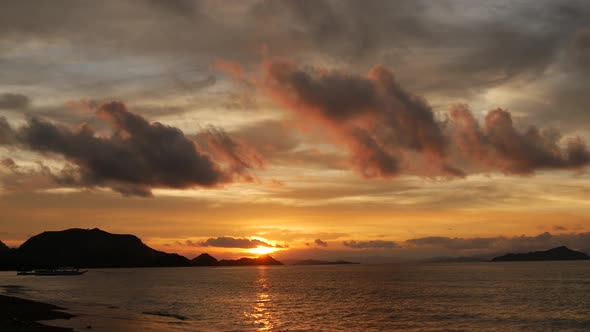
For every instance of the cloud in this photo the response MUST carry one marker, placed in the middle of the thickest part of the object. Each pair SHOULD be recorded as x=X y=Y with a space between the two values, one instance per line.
x=231 y=242
x=460 y=49
x=8 y=163
x=15 y=178
x=372 y=244
x=453 y=243
x=565 y=100
x=136 y=157
x=389 y=131
x=240 y=157
x=7 y=135
x=499 y=145
x=502 y=243
x=580 y=48
x=320 y=243
x=14 y=101
x=374 y=116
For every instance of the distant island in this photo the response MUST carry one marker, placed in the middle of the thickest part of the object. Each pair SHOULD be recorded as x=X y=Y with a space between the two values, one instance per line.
x=262 y=260
x=95 y=248
x=208 y=260
x=556 y=254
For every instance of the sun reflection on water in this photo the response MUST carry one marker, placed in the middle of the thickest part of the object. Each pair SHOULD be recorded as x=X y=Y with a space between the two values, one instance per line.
x=261 y=313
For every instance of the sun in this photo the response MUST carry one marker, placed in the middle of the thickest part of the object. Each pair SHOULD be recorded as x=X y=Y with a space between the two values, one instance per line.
x=260 y=250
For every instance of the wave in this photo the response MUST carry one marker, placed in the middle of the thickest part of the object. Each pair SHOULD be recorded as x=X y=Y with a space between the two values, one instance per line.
x=165 y=314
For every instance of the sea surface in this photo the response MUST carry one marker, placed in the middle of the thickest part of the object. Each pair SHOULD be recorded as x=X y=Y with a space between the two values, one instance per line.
x=511 y=296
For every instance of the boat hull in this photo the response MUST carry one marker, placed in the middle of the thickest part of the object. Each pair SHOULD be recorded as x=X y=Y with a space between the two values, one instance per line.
x=49 y=273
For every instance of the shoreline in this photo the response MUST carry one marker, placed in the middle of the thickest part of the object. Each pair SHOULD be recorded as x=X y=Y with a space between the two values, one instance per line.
x=22 y=315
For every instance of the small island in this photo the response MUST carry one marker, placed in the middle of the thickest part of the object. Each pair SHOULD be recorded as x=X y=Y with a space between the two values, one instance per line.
x=208 y=260
x=556 y=254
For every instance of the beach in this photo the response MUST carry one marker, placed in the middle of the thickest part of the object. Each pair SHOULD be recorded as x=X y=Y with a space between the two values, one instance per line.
x=22 y=315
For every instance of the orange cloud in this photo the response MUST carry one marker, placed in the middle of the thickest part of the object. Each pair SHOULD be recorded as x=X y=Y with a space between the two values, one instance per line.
x=389 y=131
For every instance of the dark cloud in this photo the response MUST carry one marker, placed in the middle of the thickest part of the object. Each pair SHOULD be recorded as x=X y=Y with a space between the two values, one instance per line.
x=436 y=48
x=449 y=38
x=565 y=100
x=445 y=48
x=500 y=145
x=390 y=131
x=499 y=244
x=136 y=157
x=375 y=117
x=14 y=101
x=372 y=244
x=580 y=48
x=320 y=243
x=453 y=50
x=453 y=243
x=231 y=242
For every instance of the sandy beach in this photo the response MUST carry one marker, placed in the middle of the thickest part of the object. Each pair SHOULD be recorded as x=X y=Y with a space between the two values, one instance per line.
x=21 y=315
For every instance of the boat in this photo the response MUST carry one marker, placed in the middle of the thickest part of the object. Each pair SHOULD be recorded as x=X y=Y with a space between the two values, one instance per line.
x=53 y=272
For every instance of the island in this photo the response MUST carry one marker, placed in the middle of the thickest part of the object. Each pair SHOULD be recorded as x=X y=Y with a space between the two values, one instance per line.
x=262 y=260
x=88 y=248
x=204 y=260
x=556 y=254
x=95 y=248
x=208 y=260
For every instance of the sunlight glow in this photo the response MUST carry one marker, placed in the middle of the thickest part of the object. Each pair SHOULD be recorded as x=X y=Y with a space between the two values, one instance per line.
x=260 y=250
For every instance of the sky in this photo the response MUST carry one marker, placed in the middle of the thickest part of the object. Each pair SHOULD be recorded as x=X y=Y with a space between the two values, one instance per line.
x=373 y=131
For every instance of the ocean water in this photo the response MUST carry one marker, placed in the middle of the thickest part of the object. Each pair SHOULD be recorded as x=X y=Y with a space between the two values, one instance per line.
x=529 y=296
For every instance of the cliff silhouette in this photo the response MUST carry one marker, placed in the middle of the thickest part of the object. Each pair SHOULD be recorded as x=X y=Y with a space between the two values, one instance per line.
x=555 y=254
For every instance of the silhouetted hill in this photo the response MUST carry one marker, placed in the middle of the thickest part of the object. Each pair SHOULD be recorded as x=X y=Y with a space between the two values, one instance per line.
x=204 y=260
x=555 y=254
x=3 y=247
x=7 y=257
x=317 y=262
x=91 y=248
x=262 y=260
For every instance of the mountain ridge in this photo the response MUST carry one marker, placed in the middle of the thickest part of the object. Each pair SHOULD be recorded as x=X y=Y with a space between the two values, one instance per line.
x=554 y=254
x=95 y=248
